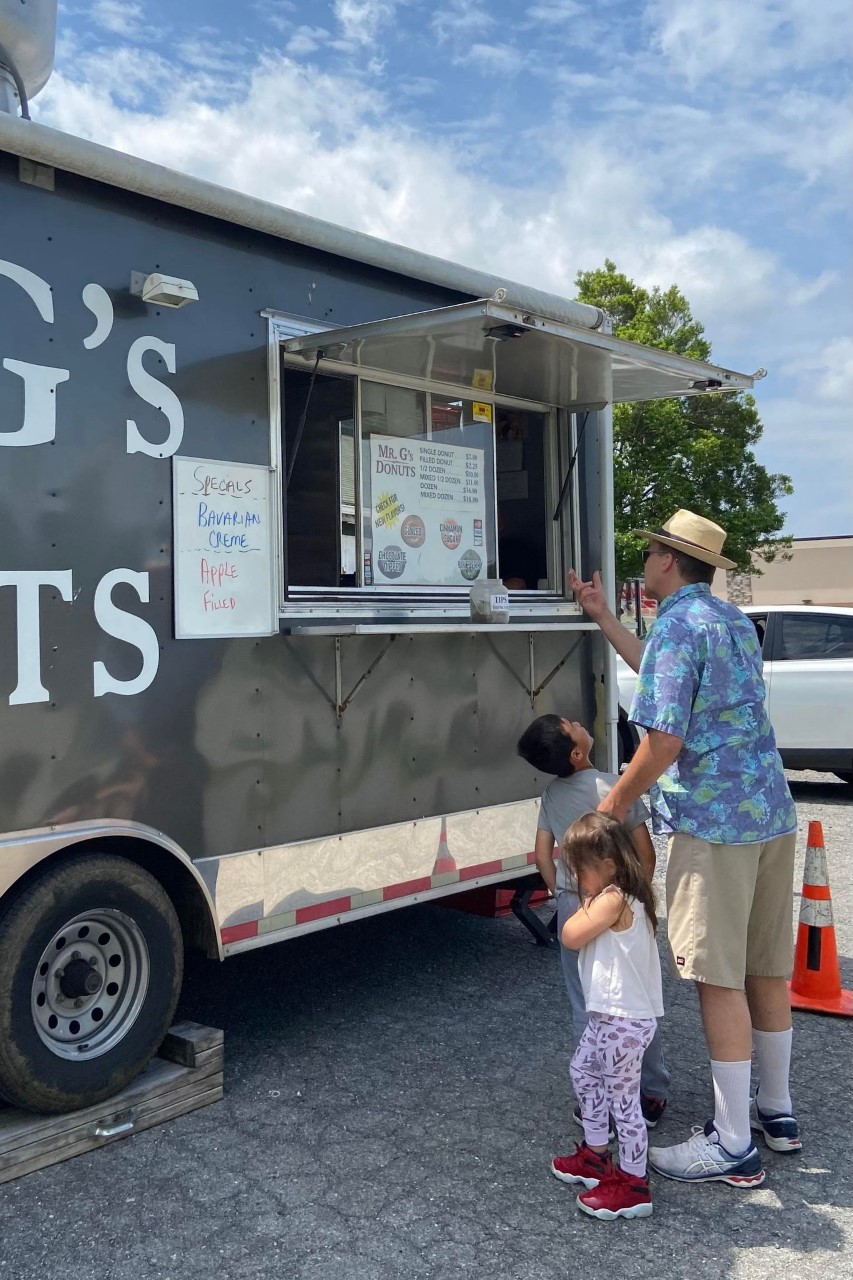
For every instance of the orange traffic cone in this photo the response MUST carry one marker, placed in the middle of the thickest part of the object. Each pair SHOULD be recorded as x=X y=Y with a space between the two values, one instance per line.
x=444 y=862
x=816 y=983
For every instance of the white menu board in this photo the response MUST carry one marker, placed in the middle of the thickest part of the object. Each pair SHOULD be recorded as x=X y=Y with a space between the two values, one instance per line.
x=428 y=513
x=223 y=549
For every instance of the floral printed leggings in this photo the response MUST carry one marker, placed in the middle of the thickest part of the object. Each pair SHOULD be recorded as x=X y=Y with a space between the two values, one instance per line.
x=606 y=1074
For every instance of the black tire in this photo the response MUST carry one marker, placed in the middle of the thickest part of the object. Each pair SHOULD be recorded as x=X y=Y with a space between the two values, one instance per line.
x=32 y=1074
x=627 y=738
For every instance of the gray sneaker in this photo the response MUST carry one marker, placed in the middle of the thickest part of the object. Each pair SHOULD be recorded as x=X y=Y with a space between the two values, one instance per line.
x=703 y=1158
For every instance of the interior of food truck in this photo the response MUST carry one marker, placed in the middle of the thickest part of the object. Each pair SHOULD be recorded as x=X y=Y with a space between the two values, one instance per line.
x=423 y=453
x=322 y=497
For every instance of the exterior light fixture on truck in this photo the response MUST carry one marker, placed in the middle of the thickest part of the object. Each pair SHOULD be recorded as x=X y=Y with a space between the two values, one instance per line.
x=242 y=696
x=163 y=291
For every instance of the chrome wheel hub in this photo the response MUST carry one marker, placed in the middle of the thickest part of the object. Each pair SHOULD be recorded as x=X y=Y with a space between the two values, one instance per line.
x=90 y=984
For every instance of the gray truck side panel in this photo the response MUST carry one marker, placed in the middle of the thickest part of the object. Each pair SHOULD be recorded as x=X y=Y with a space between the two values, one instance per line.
x=235 y=744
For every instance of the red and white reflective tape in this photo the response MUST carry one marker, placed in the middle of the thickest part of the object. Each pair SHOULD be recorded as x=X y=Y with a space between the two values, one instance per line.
x=372 y=897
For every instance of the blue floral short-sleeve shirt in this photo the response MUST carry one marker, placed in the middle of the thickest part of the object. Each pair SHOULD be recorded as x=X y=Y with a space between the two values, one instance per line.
x=701 y=680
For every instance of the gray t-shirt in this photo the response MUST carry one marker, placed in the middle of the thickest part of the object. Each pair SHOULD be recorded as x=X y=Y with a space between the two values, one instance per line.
x=566 y=799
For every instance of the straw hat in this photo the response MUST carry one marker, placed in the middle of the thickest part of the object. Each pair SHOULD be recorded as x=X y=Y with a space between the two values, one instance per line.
x=692 y=534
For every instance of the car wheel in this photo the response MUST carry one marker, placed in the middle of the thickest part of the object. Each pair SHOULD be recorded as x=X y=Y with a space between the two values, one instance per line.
x=91 y=961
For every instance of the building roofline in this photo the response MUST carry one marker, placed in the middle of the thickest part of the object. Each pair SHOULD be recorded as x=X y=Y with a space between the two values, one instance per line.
x=825 y=537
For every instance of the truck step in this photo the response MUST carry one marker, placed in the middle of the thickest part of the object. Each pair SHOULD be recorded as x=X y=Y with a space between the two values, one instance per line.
x=186 y=1075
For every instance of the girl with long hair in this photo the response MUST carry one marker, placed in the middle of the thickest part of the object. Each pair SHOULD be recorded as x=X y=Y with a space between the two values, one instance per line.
x=614 y=931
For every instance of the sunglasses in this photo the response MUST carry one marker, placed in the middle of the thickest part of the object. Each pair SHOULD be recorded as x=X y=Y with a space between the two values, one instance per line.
x=648 y=552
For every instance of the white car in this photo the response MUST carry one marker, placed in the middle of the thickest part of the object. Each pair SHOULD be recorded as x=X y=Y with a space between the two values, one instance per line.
x=808 y=671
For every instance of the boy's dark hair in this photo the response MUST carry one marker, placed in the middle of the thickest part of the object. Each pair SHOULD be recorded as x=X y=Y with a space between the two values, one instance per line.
x=691 y=569
x=597 y=836
x=546 y=745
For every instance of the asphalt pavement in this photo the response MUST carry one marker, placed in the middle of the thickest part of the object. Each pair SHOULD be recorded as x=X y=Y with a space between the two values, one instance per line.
x=395 y=1089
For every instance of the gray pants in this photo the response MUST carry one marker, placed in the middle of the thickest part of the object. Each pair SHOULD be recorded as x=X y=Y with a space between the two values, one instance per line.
x=655 y=1076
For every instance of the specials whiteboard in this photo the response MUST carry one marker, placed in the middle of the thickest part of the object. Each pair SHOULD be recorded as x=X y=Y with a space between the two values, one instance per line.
x=224 y=562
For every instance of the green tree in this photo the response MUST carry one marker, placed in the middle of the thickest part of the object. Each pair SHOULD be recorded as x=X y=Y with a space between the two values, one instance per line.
x=694 y=452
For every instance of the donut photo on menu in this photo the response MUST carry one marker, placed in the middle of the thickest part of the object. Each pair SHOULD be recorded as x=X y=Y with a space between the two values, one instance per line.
x=470 y=564
x=391 y=562
x=451 y=533
x=413 y=531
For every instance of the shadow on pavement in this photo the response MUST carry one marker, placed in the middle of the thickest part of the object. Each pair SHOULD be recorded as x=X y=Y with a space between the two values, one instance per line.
x=819 y=789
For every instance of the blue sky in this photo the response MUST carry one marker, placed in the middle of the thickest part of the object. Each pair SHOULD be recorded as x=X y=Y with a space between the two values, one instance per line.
x=696 y=143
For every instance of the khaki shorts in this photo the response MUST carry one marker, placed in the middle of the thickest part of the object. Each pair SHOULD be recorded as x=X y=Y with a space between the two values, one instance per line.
x=730 y=909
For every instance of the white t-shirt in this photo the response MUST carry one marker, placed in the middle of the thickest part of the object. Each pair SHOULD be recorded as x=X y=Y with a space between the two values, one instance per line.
x=566 y=799
x=620 y=970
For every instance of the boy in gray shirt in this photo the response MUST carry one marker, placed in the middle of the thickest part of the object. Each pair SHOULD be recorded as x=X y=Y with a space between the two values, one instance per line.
x=562 y=747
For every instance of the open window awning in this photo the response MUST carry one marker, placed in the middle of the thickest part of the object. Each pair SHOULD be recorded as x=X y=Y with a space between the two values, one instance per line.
x=492 y=347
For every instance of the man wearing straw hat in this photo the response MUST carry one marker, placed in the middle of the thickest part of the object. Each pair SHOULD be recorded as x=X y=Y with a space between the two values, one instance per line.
x=718 y=789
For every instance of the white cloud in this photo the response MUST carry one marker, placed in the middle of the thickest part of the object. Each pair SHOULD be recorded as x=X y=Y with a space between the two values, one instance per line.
x=205 y=54
x=119 y=17
x=461 y=20
x=748 y=40
x=342 y=158
x=809 y=290
x=829 y=372
x=416 y=86
x=712 y=266
x=361 y=20
x=553 y=11
x=278 y=13
x=116 y=80
x=332 y=146
x=580 y=81
x=502 y=59
x=810 y=133
x=306 y=40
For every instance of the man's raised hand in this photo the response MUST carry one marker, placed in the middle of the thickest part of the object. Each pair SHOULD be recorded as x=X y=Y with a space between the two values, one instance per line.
x=589 y=595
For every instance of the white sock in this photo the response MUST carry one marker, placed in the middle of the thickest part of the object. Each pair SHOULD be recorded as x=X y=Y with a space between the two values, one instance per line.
x=731 y=1104
x=773 y=1063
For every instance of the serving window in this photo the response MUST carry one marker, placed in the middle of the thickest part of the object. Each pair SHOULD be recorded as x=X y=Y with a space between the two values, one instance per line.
x=427 y=451
x=406 y=490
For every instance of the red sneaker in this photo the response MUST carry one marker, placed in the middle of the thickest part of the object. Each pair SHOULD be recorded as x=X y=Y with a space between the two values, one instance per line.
x=585 y=1166
x=619 y=1196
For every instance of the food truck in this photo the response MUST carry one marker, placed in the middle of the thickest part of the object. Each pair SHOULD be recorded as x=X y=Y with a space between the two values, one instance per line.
x=251 y=467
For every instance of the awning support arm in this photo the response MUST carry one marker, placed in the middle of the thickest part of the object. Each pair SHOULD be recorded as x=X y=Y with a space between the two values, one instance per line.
x=565 y=488
x=291 y=462
x=533 y=691
x=341 y=703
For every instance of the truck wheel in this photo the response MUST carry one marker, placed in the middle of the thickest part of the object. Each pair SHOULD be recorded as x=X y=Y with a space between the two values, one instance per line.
x=91 y=961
